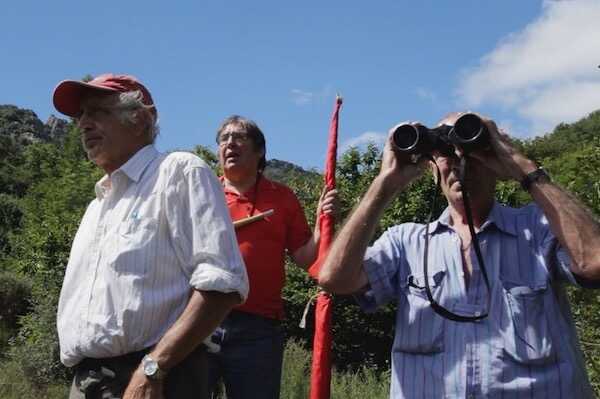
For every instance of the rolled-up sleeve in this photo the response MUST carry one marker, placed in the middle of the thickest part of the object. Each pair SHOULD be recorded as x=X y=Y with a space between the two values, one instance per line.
x=202 y=232
x=556 y=256
x=381 y=264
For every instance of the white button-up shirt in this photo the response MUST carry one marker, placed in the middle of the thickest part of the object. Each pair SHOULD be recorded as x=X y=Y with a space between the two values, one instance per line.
x=158 y=228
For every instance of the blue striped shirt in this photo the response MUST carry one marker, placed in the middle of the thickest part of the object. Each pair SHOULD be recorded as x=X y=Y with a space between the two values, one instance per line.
x=526 y=348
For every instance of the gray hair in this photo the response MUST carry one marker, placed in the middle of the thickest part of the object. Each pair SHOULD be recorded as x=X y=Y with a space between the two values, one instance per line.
x=129 y=103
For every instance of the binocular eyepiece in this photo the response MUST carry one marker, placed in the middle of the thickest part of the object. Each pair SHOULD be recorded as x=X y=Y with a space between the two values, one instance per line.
x=469 y=133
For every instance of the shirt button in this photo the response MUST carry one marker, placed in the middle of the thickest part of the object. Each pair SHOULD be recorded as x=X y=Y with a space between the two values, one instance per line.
x=477 y=314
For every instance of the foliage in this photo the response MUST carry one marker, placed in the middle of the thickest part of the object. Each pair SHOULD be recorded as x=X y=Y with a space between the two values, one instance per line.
x=364 y=383
x=359 y=384
x=14 y=384
x=61 y=186
x=15 y=294
x=46 y=185
x=565 y=138
x=208 y=156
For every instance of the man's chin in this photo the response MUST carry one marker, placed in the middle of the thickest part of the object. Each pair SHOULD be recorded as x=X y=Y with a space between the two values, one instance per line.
x=94 y=154
x=232 y=164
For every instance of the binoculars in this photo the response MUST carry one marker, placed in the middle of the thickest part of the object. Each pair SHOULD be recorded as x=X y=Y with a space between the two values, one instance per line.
x=469 y=133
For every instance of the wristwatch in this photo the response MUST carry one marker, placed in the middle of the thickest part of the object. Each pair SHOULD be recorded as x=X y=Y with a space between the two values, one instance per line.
x=151 y=369
x=533 y=177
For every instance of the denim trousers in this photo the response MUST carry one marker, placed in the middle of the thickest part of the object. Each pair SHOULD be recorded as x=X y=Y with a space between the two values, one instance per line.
x=250 y=358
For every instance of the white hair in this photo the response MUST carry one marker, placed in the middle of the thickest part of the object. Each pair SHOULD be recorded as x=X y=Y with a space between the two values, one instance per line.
x=129 y=103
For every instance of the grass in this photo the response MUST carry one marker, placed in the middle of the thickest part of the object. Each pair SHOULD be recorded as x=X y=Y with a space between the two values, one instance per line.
x=14 y=385
x=363 y=383
x=295 y=383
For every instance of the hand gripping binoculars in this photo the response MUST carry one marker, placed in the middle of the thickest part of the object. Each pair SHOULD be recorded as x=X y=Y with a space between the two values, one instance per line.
x=469 y=133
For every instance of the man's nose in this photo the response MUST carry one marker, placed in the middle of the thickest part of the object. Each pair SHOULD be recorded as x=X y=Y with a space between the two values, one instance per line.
x=231 y=142
x=459 y=152
x=84 y=122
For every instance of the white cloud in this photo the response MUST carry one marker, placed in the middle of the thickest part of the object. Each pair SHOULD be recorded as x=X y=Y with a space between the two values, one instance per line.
x=548 y=72
x=426 y=94
x=303 y=97
x=363 y=140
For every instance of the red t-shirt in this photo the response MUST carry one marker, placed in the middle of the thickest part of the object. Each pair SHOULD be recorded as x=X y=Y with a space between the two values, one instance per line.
x=263 y=243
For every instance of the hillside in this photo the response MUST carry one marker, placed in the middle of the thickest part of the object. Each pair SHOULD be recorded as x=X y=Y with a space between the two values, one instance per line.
x=24 y=127
x=283 y=171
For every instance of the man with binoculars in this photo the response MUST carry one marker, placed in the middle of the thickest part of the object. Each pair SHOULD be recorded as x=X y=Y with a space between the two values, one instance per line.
x=481 y=308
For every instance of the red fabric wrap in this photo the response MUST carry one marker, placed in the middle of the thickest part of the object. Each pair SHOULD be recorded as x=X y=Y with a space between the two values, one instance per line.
x=320 y=379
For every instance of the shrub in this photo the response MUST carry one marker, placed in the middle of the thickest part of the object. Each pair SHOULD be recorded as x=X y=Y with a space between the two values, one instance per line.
x=15 y=385
x=15 y=294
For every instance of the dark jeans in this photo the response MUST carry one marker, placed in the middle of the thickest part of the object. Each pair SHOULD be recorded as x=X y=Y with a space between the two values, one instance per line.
x=249 y=362
x=108 y=378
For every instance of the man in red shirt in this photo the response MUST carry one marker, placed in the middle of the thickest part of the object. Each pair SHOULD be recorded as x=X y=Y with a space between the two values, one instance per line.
x=251 y=339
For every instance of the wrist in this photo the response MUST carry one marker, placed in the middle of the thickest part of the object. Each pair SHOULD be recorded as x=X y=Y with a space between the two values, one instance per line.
x=316 y=234
x=152 y=370
x=539 y=175
x=389 y=184
x=523 y=168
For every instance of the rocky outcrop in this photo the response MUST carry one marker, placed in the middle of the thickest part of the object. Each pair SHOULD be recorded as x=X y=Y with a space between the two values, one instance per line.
x=24 y=127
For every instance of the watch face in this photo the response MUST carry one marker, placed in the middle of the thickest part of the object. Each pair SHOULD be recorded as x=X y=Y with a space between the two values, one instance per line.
x=150 y=367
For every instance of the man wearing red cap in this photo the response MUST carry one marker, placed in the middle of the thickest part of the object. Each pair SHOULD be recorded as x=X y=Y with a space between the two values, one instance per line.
x=154 y=266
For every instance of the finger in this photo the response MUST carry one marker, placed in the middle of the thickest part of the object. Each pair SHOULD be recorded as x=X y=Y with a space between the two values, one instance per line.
x=327 y=201
x=330 y=195
x=491 y=126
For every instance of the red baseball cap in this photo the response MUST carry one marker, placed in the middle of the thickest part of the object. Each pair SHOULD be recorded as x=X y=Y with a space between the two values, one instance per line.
x=69 y=93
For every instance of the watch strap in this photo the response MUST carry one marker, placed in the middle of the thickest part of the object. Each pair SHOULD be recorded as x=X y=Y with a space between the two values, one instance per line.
x=533 y=177
x=157 y=374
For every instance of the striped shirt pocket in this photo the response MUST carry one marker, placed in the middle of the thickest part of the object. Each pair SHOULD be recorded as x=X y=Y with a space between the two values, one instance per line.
x=422 y=330
x=528 y=338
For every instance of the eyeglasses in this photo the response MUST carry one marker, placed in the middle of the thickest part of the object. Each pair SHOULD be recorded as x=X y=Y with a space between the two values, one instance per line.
x=236 y=137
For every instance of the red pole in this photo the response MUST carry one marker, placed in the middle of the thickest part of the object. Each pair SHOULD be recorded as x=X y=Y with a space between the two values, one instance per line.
x=320 y=380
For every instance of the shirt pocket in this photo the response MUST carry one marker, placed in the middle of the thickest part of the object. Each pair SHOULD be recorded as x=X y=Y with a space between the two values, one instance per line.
x=135 y=244
x=528 y=338
x=419 y=328
x=138 y=232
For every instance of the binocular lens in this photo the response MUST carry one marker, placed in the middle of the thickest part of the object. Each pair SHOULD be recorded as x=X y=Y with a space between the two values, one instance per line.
x=469 y=133
x=406 y=137
x=468 y=127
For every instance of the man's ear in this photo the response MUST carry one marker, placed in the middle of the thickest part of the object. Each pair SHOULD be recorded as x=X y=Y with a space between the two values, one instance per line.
x=433 y=170
x=142 y=122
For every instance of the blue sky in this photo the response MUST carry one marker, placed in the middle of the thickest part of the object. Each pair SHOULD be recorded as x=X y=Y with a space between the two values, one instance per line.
x=528 y=64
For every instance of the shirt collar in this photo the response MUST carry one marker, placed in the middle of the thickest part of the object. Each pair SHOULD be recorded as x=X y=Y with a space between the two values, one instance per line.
x=499 y=217
x=102 y=187
x=442 y=222
x=133 y=169
x=137 y=164
x=263 y=184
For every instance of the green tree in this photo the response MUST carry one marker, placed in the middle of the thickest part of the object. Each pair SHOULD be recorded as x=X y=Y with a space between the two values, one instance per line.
x=63 y=181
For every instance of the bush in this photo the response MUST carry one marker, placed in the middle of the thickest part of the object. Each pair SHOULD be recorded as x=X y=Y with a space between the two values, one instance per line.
x=15 y=385
x=15 y=294
x=36 y=348
x=360 y=384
